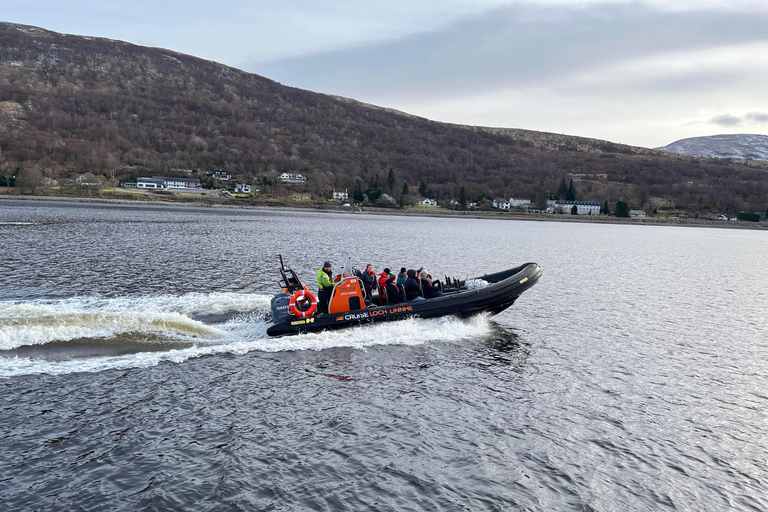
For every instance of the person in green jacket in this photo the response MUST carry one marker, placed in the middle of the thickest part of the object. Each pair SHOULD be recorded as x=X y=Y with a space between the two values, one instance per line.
x=324 y=287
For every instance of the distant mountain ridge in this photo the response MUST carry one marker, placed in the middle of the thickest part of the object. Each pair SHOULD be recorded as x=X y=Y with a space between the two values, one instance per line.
x=75 y=104
x=742 y=146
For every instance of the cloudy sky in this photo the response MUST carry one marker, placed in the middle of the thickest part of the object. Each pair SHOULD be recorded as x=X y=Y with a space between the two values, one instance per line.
x=644 y=73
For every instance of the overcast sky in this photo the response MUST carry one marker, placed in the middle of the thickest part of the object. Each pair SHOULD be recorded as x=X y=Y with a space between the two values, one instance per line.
x=644 y=73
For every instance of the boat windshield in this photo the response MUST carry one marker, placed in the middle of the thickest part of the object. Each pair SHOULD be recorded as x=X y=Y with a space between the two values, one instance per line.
x=345 y=269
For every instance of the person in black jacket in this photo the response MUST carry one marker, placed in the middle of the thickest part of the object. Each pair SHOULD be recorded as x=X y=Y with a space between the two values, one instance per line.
x=412 y=286
x=429 y=289
x=369 y=280
x=393 y=293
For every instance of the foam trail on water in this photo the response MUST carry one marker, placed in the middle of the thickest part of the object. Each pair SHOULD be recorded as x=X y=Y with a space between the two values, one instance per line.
x=26 y=324
x=413 y=331
x=46 y=321
x=187 y=304
x=41 y=322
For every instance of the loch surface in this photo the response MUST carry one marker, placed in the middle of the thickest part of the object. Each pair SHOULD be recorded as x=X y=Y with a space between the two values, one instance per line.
x=135 y=370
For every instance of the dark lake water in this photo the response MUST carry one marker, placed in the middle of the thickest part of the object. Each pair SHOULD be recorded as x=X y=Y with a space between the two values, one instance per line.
x=135 y=372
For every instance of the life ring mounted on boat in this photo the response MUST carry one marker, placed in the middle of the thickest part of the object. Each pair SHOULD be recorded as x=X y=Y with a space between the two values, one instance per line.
x=299 y=300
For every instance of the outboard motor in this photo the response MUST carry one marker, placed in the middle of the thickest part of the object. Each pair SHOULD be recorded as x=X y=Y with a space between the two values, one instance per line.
x=280 y=307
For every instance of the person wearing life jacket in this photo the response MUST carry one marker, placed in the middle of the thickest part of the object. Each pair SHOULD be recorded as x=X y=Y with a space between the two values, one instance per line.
x=428 y=288
x=402 y=276
x=324 y=287
x=369 y=280
x=383 y=283
x=393 y=293
x=413 y=286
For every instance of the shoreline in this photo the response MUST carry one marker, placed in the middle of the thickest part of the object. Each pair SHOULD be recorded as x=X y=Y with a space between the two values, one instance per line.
x=441 y=213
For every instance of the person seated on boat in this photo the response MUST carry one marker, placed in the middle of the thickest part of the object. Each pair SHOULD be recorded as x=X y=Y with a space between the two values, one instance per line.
x=324 y=287
x=412 y=286
x=369 y=280
x=429 y=289
x=393 y=293
x=402 y=276
x=383 y=281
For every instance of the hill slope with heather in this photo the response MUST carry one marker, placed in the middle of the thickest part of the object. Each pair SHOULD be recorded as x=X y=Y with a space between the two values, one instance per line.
x=82 y=104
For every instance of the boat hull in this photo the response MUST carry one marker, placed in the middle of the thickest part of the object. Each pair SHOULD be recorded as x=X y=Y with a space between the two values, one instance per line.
x=502 y=291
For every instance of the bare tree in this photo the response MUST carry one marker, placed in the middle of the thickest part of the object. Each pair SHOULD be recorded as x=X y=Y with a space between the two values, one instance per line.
x=29 y=179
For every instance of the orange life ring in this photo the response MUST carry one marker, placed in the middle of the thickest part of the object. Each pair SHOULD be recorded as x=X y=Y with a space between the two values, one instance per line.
x=302 y=295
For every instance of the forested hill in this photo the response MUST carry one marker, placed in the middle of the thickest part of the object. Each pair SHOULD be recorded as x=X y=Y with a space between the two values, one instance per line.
x=82 y=104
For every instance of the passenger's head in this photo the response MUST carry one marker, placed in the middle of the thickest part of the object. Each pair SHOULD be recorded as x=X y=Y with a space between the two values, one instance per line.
x=369 y=268
x=386 y=270
x=327 y=265
x=411 y=273
x=391 y=278
x=402 y=270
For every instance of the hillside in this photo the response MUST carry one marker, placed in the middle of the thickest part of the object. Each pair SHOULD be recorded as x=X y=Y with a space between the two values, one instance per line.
x=81 y=104
x=754 y=147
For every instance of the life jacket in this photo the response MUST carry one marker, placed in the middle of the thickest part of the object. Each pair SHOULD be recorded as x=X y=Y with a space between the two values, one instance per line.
x=323 y=281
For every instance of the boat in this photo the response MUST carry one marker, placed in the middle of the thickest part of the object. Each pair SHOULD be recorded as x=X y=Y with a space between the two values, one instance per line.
x=294 y=310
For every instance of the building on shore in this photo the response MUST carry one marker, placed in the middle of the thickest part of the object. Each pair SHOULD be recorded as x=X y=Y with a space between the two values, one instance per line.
x=582 y=207
x=340 y=193
x=163 y=183
x=637 y=213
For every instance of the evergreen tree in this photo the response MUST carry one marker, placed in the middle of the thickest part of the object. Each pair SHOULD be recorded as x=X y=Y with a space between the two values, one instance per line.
x=574 y=210
x=606 y=208
x=391 y=179
x=562 y=190
x=622 y=209
x=373 y=191
x=403 y=195
x=358 y=194
x=463 y=199
x=766 y=212
x=571 y=195
x=423 y=188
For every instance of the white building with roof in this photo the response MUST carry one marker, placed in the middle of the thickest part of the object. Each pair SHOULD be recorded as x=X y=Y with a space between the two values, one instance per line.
x=582 y=207
x=292 y=177
x=163 y=182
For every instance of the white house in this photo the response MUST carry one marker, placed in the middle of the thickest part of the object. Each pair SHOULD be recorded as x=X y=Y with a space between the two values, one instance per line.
x=637 y=213
x=221 y=175
x=292 y=177
x=501 y=204
x=517 y=202
x=340 y=193
x=425 y=201
x=242 y=188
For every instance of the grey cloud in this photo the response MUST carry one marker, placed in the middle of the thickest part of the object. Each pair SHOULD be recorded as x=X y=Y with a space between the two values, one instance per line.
x=726 y=120
x=516 y=45
x=757 y=117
